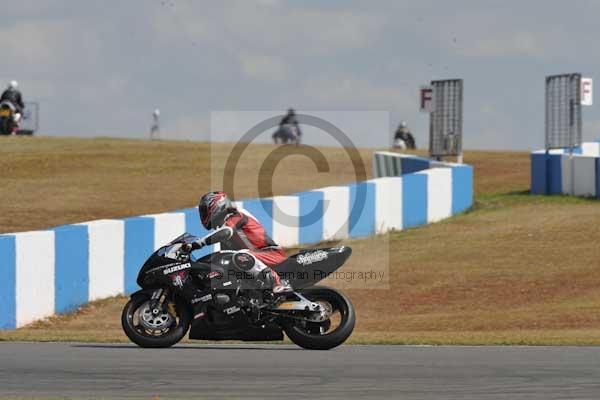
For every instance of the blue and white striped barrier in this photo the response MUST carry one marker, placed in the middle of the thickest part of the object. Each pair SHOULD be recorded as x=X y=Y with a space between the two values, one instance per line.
x=448 y=184
x=558 y=172
x=57 y=270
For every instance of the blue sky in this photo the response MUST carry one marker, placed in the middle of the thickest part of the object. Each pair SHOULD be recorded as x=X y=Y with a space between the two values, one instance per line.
x=101 y=67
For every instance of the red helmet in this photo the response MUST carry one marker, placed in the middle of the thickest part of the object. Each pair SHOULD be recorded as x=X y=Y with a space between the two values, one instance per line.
x=213 y=208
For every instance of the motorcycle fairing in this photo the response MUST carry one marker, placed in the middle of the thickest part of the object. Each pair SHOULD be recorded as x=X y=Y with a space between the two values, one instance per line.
x=310 y=266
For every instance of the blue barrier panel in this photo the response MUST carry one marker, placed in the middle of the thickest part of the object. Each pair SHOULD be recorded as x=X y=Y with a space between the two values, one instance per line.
x=410 y=165
x=8 y=280
x=262 y=210
x=139 y=244
x=598 y=177
x=462 y=188
x=311 y=217
x=554 y=171
x=192 y=222
x=362 y=209
x=551 y=175
x=538 y=173
x=71 y=273
x=414 y=200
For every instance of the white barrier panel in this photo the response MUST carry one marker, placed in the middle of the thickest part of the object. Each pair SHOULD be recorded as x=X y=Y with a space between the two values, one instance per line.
x=584 y=169
x=34 y=276
x=578 y=175
x=106 y=258
x=590 y=149
x=286 y=215
x=336 y=209
x=167 y=227
x=565 y=169
x=441 y=164
x=388 y=204
x=439 y=193
x=560 y=172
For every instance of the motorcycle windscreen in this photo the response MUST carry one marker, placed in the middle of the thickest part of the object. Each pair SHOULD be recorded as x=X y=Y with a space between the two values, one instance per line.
x=310 y=266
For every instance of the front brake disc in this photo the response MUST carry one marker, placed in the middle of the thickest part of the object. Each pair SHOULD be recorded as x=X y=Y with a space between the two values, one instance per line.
x=154 y=321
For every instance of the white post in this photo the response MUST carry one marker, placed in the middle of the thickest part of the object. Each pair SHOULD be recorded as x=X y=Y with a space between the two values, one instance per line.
x=572 y=162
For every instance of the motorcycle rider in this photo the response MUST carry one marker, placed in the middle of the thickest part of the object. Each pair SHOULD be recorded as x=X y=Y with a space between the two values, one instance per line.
x=13 y=95
x=246 y=236
x=289 y=126
x=403 y=138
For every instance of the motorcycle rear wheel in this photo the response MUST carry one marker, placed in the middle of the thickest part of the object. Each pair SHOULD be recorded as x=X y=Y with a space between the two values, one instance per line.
x=305 y=335
x=136 y=332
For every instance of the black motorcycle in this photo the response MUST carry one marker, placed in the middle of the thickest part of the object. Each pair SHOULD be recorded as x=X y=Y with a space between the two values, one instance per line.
x=236 y=304
x=286 y=134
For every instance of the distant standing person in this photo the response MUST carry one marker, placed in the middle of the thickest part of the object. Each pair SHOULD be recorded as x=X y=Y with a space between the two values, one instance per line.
x=403 y=139
x=155 y=128
x=289 y=129
x=13 y=95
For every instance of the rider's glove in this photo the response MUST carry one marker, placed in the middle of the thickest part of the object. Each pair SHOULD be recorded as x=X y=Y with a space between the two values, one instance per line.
x=189 y=247
x=186 y=248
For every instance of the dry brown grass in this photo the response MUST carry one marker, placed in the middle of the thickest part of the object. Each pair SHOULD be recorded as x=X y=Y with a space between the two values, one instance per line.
x=499 y=172
x=518 y=269
x=530 y=266
x=51 y=181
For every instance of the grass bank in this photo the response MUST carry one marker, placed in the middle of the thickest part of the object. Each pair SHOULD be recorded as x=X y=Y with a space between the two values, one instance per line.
x=516 y=269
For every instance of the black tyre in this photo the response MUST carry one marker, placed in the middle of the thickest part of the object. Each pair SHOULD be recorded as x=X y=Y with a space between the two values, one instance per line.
x=154 y=331
x=326 y=334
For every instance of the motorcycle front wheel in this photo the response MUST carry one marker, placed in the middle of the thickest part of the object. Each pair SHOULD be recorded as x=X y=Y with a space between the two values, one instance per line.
x=5 y=126
x=327 y=333
x=155 y=330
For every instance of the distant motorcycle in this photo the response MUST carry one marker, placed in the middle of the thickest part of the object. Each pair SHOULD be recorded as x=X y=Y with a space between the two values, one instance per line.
x=237 y=304
x=8 y=118
x=285 y=134
x=399 y=144
x=404 y=141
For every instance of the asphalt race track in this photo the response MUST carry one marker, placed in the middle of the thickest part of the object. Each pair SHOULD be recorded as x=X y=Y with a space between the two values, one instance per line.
x=276 y=371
